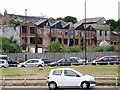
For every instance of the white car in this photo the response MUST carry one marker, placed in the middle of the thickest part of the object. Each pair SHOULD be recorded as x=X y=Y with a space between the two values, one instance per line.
x=32 y=63
x=3 y=63
x=68 y=77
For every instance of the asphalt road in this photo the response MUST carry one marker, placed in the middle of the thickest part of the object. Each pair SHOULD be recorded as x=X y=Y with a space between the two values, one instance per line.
x=44 y=88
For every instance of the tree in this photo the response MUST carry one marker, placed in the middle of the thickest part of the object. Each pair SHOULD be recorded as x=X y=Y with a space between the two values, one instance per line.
x=9 y=46
x=112 y=23
x=60 y=18
x=12 y=21
x=70 y=19
x=54 y=47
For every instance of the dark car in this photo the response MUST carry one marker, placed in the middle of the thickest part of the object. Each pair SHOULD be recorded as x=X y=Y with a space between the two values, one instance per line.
x=12 y=62
x=107 y=60
x=47 y=61
x=74 y=61
x=61 y=62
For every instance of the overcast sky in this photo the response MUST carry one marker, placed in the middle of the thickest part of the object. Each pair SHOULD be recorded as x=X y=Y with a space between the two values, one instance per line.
x=62 y=8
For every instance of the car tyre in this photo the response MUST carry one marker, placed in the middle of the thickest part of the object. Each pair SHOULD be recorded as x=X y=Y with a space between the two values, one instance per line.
x=39 y=65
x=52 y=85
x=85 y=85
x=3 y=67
x=23 y=66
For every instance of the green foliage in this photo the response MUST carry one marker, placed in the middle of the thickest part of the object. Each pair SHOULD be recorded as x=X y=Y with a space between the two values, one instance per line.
x=98 y=49
x=12 y=21
x=75 y=49
x=110 y=48
x=71 y=49
x=65 y=49
x=68 y=19
x=114 y=25
x=102 y=49
x=54 y=47
x=9 y=46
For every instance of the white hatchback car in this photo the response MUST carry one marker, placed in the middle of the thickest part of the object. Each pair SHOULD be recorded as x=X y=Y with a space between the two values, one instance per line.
x=3 y=63
x=32 y=63
x=67 y=77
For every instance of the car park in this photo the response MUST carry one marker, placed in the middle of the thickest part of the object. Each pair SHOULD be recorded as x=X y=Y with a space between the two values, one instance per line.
x=68 y=77
x=3 y=63
x=12 y=62
x=107 y=60
x=61 y=62
x=32 y=63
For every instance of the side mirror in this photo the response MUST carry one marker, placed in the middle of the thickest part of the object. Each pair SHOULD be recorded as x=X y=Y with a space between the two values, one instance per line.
x=77 y=75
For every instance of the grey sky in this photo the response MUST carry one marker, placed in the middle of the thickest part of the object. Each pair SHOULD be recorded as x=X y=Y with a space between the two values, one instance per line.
x=62 y=8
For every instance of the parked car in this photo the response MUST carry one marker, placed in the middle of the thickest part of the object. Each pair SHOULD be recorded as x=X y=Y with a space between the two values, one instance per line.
x=68 y=77
x=61 y=62
x=107 y=60
x=12 y=62
x=3 y=63
x=32 y=63
x=78 y=60
x=47 y=61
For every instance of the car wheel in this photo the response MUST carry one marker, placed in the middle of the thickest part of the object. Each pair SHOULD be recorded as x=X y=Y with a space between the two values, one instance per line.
x=85 y=85
x=3 y=67
x=39 y=65
x=52 y=85
x=22 y=66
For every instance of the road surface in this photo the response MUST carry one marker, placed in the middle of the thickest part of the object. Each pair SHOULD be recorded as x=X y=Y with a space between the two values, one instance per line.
x=45 y=88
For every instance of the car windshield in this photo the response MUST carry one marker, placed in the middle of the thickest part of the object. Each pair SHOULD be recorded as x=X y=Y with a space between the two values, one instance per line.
x=81 y=74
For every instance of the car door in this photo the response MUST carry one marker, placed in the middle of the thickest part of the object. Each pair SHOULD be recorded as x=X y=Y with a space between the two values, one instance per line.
x=57 y=76
x=35 y=63
x=71 y=78
x=29 y=63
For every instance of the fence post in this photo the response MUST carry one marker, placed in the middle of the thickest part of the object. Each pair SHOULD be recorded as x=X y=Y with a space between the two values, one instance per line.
x=3 y=81
x=116 y=79
x=25 y=81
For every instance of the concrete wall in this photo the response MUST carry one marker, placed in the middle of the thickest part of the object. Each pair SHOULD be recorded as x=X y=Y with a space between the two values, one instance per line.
x=10 y=31
x=57 y=56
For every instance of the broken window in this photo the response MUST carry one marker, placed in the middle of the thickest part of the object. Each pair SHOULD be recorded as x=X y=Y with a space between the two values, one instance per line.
x=24 y=29
x=32 y=40
x=52 y=31
x=59 y=31
x=60 y=40
x=32 y=30
x=40 y=40
x=24 y=40
x=65 y=41
x=39 y=31
x=66 y=32
x=76 y=41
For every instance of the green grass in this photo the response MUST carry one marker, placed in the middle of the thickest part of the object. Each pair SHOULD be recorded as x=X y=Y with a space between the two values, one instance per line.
x=96 y=71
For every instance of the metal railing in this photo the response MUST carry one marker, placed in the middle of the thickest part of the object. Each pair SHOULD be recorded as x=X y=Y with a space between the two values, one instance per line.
x=3 y=80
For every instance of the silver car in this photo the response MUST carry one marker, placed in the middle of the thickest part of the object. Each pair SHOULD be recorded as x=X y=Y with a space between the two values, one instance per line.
x=3 y=63
x=32 y=63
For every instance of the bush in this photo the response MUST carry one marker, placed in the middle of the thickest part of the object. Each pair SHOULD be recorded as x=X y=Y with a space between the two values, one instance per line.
x=110 y=48
x=98 y=49
x=54 y=47
x=71 y=49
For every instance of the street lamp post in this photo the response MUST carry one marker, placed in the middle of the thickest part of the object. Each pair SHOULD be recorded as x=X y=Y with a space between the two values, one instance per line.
x=85 y=44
